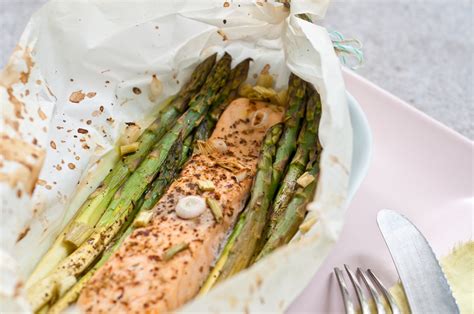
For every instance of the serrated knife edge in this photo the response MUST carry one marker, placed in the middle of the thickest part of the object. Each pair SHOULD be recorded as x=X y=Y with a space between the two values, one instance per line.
x=423 y=280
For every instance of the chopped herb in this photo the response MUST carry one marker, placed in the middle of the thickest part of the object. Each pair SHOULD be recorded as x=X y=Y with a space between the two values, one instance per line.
x=215 y=207
x=175 y=249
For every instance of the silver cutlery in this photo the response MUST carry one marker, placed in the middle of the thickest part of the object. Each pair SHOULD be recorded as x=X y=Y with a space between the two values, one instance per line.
x=423 y=281
x=422 y=278
x=377 y=290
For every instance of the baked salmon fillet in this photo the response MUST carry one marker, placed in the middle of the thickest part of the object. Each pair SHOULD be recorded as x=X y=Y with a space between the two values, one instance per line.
x=144 y=275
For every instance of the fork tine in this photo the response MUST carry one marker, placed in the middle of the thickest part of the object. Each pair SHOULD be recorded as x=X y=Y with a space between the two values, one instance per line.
x=364 y=305
x=388 y=296
x=350 y=309
x=373 y=291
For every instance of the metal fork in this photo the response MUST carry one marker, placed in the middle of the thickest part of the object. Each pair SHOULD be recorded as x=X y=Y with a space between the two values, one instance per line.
x=373 y=284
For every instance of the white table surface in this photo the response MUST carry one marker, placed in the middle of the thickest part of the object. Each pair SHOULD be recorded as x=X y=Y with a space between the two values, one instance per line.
x=420 y=51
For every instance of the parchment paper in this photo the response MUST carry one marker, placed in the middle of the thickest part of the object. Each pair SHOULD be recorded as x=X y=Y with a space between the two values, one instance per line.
x=67 y=93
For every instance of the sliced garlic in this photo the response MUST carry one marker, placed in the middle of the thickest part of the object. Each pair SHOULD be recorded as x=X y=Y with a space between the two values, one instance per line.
x=130 y=134
x=130 y=148
x=259 y=118
x=305 y=179
x=190 y=207
x=156 y=88
x=282 y=97
x=206 y=185
x=232 y=165
x=220 y=145
x=265 y=80
x=245 y=89
x=263 y=93
x=241 y=176
x=308 y=224
x=206 y=148
x=265 y=69
x=143 y=219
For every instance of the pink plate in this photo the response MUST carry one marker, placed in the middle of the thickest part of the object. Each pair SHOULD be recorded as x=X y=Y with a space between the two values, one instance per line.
x=419 y=168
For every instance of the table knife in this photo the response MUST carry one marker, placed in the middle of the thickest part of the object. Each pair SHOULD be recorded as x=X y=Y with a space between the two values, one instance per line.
x=425 y=284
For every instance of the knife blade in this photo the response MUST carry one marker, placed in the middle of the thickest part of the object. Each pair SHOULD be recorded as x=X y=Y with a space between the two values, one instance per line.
x=425 y=284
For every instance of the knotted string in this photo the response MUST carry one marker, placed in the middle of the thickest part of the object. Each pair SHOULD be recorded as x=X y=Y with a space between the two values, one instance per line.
x=347 y=49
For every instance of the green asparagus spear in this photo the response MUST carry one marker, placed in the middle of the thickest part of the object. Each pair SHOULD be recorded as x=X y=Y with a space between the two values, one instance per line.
x=129 y=193
x=139 y=180
x=221 y=262
x=183 y=149
x=72 y=294
x=288 y=140
x=238 y=75
x=293 y=116
x=230 y=262
x=86 y=216
x=307 y=140
x=187 y=150
x=84 y=223
x=180 y=104
x=171 y=167
x=239 y=249
x=294 y=213
x=89 y=213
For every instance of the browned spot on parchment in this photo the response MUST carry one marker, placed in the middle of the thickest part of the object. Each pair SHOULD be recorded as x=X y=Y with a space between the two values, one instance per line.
x=91 y=94
x=77 y=96
x=25 y=76
x=9 y=75
x=41 y=114
x=21 y=175
x=50 y=91
x=336 y=161
x=226 y=4
x=28 y=156
x=258 y=281
x=52 y=144
x=223 y=35
x=137 y=91
x=71 y=166
x=18 y=289
x=17 y=105
x=22 y=234
x=14 y=124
